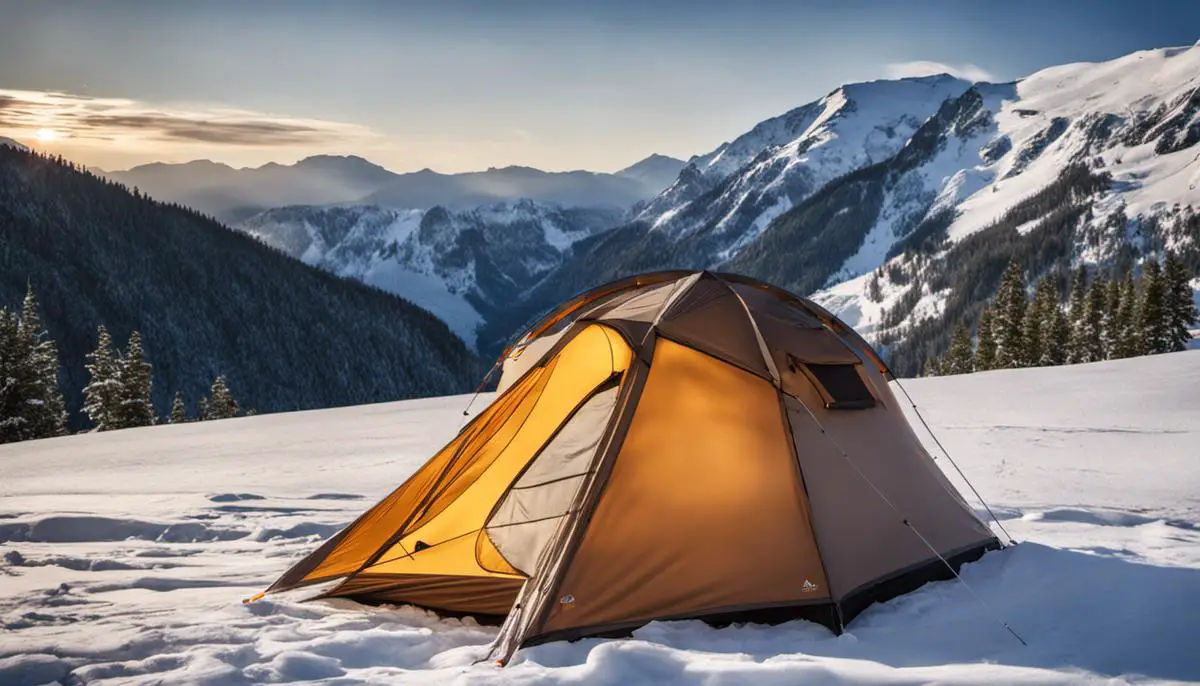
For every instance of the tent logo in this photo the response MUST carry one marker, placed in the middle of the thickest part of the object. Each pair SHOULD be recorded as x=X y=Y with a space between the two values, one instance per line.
x=808 y=587
x=567 y=601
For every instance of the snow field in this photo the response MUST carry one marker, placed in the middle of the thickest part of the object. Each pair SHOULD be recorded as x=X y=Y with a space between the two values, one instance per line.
x=124 y=556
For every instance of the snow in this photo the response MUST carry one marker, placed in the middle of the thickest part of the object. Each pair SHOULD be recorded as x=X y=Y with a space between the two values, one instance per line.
x=126 y=554
x=13 y=144
x=981 y=186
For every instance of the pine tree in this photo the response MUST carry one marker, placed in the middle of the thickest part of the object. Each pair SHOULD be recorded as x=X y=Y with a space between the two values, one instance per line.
x=1036 y=327
x=1127 y=343
x=178 y=410
x=31 y=404
x=203 y=413
x=985 y=349
x=960 y=358
x=1076 y=302
x=1057 y=338
x=136 y=408
x=221 y=405
x=1091 y=325
x=934 y=366
x=1180 y=305
x=103 y=394
x=1152 y=316
x=12 y=418
x=1011 y=303
x=1112 y=324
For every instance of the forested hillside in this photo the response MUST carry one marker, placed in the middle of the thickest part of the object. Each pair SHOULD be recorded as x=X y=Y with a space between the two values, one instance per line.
x=207 y=300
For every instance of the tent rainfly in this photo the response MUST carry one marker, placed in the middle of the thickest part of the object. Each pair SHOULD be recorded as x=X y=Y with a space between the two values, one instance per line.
x=673 y=445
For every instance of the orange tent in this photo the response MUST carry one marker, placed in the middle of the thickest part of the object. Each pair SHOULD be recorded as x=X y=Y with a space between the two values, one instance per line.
x=673 y=445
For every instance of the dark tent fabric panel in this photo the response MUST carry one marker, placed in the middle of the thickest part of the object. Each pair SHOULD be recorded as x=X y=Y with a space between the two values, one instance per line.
x=711 y=318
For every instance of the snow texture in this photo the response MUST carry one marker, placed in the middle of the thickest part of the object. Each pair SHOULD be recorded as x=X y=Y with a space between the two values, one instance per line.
x=125 y=554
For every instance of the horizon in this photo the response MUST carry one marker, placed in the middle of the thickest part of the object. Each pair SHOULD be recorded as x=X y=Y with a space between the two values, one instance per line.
x=464 y=86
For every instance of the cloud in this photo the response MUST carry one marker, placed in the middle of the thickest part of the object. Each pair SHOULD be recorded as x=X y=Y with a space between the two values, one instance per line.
x=970 y=72
x=83 y=118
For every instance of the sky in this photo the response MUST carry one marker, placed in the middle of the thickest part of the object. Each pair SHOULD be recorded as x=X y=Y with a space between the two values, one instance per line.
x=459 y=86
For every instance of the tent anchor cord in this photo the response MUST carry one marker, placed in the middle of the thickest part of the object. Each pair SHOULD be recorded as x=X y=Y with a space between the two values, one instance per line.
x=904 y=520
x=945 y=452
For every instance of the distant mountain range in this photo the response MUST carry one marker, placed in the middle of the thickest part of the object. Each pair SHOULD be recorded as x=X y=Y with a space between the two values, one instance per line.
x=207 y=301
x=232 y=195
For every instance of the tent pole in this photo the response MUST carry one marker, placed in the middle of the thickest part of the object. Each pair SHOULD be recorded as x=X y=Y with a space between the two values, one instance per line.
x=486 y=377
x=945 y=452
x=904 y=520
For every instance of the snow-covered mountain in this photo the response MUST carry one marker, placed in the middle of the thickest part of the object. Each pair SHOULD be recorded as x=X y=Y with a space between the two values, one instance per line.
x=899 y=202
x=463 y=265
x=13 y=144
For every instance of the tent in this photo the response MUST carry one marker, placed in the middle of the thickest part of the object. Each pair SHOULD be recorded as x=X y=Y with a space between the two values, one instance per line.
x=674 y=445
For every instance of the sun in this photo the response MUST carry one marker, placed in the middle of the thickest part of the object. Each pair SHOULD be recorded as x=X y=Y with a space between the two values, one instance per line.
x=46 y=135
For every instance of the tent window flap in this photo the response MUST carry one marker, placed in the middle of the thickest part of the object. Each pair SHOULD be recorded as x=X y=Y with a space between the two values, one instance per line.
x=841 y=386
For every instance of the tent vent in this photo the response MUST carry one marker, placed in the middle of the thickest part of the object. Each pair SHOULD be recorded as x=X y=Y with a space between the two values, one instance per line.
x=843 y=387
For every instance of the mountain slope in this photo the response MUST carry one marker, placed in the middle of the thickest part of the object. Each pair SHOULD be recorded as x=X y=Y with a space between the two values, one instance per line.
x=463 y=265
x=207 y=300
x=898 y=203
x=1085 y=164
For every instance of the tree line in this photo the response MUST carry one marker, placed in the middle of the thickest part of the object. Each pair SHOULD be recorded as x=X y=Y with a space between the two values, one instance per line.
x=1103 y=317
x=117 y=395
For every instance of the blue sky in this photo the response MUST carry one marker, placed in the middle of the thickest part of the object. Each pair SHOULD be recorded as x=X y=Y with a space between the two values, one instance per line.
x=455 y=86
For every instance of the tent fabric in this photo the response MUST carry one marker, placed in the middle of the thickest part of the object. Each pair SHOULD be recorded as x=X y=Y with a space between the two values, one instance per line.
x=677 y=444
x=536 y=503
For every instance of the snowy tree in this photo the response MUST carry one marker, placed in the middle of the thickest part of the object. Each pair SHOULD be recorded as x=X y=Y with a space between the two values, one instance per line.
x=221 y=404
x=1090 y=327
x=202 y=411
x=31 y=404
x=1152 y=322
x=1076 y=304
x=103 y=394
x=1038 y=318
x=1126 y=342
x=1180 y=306
x=985 y=350
x=960 y=359
x=14 y=378
x=136 y=408
x=1112 y=309
x=1011 y=302
x=178 y=410
x=1056 y=338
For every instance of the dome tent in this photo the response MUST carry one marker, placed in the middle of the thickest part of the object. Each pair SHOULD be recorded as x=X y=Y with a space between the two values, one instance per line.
x=674 y=445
